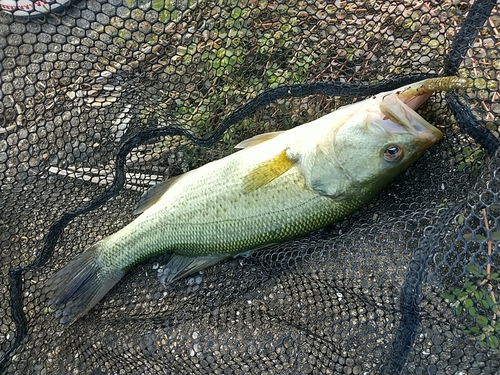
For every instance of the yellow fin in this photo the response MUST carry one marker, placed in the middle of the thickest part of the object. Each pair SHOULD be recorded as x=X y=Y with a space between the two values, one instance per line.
x=151 y=196
x=267 y=171
x=257 y=139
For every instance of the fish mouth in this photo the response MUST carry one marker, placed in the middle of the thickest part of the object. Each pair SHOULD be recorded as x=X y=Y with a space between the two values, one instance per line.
x=400 y=117
x=399 y=106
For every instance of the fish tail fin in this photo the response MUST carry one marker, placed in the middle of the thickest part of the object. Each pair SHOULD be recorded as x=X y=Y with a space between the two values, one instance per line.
x=78 y=286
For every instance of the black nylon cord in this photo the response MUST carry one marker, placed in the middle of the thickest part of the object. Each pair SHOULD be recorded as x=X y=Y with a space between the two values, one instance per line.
x=476 y=18
x=411 y=293
x=316 y=88
x=341 y=89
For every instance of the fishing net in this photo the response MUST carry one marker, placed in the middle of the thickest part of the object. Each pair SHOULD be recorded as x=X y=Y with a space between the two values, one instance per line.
x=102 y=99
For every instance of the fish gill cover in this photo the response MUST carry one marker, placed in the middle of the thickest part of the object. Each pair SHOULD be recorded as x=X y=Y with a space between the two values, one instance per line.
x=103 y=99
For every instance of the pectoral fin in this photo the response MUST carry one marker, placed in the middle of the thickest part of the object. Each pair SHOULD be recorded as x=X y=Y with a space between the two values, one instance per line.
x=257 y=139
x=267 y=171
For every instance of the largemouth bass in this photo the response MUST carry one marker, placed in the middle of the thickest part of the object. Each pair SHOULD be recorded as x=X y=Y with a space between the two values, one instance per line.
x=280 y=186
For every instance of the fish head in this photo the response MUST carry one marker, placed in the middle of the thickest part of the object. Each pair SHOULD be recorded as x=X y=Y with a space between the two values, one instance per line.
x=381 y=139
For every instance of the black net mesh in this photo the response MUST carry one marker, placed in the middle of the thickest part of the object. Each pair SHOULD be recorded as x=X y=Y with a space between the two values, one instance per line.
x=102 y=99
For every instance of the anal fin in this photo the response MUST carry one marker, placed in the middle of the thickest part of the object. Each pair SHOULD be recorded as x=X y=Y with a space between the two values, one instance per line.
x=180 y=266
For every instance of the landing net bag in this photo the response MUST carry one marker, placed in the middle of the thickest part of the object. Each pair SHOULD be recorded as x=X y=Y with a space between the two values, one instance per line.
x=102 y=99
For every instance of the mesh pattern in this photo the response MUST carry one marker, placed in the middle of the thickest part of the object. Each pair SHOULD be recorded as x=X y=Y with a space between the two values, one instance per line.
x=103 y=99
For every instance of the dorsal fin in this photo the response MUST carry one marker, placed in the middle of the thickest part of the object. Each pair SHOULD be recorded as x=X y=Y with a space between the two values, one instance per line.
x=257 y=139
x=267 y=171
x=151 y=196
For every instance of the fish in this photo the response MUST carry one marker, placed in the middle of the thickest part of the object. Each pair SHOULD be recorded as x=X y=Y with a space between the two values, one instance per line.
x=278 y=186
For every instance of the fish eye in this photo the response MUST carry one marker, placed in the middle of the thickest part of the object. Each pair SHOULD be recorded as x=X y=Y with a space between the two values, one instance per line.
x=393 y=153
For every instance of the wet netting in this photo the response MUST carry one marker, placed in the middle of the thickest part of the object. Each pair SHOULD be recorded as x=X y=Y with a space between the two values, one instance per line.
x=102 y=99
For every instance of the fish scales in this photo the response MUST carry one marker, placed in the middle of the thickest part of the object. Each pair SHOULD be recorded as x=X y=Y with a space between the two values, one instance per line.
x=230 y=222
x=226 y=235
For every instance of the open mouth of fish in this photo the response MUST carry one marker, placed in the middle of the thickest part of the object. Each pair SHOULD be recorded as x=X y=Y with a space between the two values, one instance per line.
x=398 y=108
